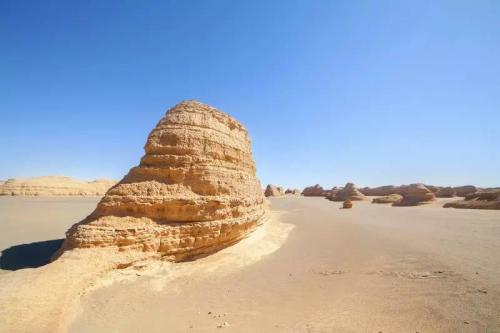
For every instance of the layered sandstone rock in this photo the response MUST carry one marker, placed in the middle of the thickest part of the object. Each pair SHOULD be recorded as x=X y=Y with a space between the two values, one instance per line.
x=295 y=191
x=446 y=192
x=349 y=192
x=55 y=186
x=314 y=191
x=274 y=191
x=391 y=198
x=478 y=200
x=414 y=195
x=194 y=192
x=381 y=190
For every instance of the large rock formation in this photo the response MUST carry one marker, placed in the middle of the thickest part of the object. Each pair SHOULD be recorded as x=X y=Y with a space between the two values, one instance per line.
x=349 y=192
x=314 y=191
x=194 y=192
x=274 y=191
x=414 y=195
x=381 y=190
x=478 y=200
x=295 y=191
x=446 y=192
x=55 y=186
x=391 y=198
x=462 y=191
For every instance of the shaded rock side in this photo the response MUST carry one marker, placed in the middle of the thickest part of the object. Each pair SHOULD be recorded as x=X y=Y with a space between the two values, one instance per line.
x=314 y=191
x=295 y=191
x=478 y=200
x=446 y=192
x=414 y=195
x=274 y=191
x=349 y=192
x=194 y=192
x=55 y=186
x=462 y=191
x=391 y=198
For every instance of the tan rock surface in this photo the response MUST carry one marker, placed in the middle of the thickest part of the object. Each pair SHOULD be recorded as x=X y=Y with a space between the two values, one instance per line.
x=194 y=192
x=391 y=198
x=381 y=190
x=314 y=191
x=478 y=200
x=349 y=192
x=274 y=191
x=55 y=186
x=462 y=191
x=414 y=195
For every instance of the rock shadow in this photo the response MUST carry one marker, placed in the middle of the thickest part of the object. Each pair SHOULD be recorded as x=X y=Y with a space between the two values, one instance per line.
x=30 y=255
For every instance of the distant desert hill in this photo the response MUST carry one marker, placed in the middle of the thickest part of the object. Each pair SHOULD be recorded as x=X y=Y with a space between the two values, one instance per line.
x=54 y=186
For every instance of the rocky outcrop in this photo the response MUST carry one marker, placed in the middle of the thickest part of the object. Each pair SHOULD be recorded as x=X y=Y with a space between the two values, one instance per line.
x=381 y=190
x=295 y=191
x=314 y=191
x=462 y=191
x=478 y=200
x=55 y=186
x=446 y=192
x=347 y=204
x=194 y=192
x=432 y=188
x=274 y=191
x=349 y=192
x=414 y=195
x=391 y=198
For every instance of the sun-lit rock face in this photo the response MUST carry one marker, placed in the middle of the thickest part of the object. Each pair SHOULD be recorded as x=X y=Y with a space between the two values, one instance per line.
x=194 y=192
x=274 y=191
x=349 y=192
x=414 y=195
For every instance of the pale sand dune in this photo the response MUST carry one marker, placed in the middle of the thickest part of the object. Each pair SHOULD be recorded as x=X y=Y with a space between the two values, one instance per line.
x=368 y=269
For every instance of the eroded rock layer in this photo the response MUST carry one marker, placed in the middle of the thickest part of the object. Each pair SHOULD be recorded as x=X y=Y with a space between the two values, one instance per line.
x=194 y=192
x=349 y=192
x=274 y=191
x=315 y=191
x=54 y=186
x=415 y=195
x=479 y=200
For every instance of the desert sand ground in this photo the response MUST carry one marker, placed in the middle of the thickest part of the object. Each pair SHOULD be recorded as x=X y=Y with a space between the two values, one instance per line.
x=314 y=268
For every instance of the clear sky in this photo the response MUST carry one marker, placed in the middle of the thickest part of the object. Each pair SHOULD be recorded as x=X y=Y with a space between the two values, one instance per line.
x=374 y=92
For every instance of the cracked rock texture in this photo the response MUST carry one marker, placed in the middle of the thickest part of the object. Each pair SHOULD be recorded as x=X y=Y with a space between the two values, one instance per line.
x=54 y=186
x=194 y=192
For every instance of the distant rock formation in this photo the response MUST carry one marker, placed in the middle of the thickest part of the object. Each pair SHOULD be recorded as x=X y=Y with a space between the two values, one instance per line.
x=314 y=191
x=432 y=188
x=446 y=192
x=478 y=200
x=462 y=191
x=414 y=195
x=349 y=192
x=55 y=186
x=295 y=191
x=274 y=191
x=194 y=192
x=391 y=198
x=333 y=192
x=381 y=190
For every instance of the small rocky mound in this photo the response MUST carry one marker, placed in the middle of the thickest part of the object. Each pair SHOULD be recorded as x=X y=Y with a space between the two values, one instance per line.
x=349 y=192
x=295 y=191
x=194 y=192
x=415 y=195
x=478 y=200
x=347 y=204
x=55 y=186
x=274 y=191
x=391 y=198
x=446 y=192
x=314 y=191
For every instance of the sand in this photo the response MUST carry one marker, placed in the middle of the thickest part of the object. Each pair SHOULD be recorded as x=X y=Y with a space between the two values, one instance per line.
x=314 y=268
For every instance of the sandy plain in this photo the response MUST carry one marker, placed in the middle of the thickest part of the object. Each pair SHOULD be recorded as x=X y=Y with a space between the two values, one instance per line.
x=313 y=268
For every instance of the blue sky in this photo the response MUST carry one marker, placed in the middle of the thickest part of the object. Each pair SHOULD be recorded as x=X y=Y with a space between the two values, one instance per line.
x=374 y=92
